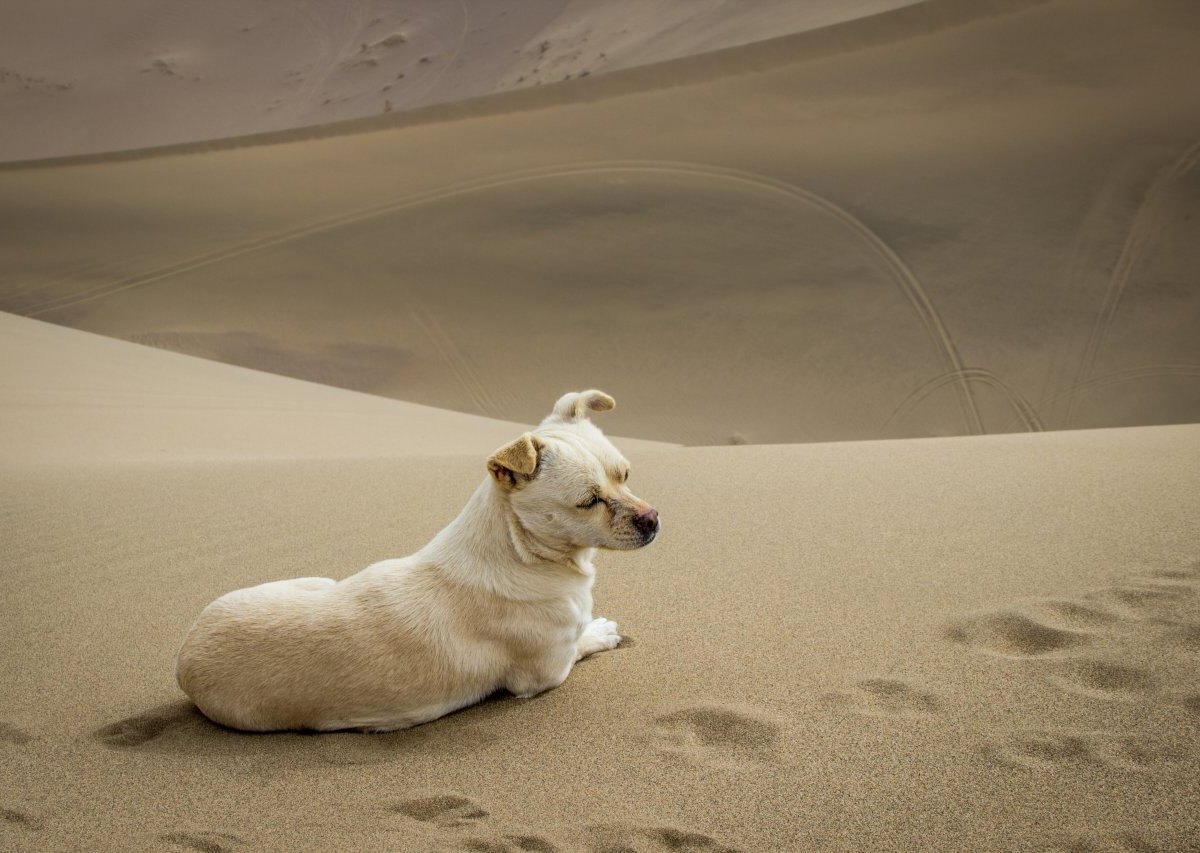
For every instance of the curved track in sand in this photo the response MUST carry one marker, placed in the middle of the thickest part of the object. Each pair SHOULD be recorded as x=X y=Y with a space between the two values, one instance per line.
x=1147 y=222
x=1150 y=371
x=1021 y=407
x=900 y=273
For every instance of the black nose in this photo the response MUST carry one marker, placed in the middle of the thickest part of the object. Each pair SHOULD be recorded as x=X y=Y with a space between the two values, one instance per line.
x=646 y=521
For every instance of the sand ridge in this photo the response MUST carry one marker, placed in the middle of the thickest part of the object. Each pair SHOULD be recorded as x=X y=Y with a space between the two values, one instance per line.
x=75 y=398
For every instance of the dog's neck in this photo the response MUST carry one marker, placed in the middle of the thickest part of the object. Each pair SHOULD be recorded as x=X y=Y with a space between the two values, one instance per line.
x=487 y=537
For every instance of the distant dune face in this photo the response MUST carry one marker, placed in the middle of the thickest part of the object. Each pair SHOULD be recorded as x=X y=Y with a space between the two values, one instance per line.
x=81 y=77
x=928 y=222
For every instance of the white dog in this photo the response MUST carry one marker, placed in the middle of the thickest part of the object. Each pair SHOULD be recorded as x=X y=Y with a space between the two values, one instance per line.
x=501 y=598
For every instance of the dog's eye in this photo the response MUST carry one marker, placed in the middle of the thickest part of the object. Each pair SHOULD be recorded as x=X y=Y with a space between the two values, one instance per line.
x=590 y=502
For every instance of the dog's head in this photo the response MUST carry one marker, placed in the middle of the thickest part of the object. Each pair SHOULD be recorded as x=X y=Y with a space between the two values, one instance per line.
x=568 y=484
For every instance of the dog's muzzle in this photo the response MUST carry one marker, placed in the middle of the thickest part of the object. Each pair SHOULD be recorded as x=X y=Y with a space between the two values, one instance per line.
x=646 y=523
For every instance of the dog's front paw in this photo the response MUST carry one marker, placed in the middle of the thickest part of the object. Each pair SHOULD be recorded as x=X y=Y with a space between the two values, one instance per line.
x=604 y=630
x=600 y=635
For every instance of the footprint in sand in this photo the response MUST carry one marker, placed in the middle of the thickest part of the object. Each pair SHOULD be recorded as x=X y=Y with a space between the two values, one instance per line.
x=1048 y=749
x=453 y=813
x=1010 y=633
x=716 y=734
x=508 y=844
x=205 y=842
x=1187 y=635
x=1123 y=842
x=1074 y=616
x=627 y=838
x=1146 y=599
x=1105 y=679
x=1109 y=645
x=13 y=735
x=1164 y=592
x=448 y=811
x=1166 y=597
x=607 y=838
x=19 y=819
x=882 y=697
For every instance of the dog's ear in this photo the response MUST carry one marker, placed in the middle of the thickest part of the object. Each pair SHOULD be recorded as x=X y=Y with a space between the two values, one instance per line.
x=577 y=404
x=515 y=463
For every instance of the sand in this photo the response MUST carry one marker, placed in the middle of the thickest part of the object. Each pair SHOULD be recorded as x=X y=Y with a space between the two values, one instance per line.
x=982 y=643
x=80 y=77
x=73 y=398
x=961 y=232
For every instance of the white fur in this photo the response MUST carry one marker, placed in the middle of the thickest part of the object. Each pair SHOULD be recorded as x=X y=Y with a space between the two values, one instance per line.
x=501 y=598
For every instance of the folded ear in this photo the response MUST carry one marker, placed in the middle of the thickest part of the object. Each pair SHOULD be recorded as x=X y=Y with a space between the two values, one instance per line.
x=577 y=404
x=514 y=464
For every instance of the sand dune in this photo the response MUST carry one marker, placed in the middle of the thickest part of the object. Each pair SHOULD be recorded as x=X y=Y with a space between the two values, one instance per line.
x=73 y=398
x=984 y=644
x=926 y=222
x=79 y=78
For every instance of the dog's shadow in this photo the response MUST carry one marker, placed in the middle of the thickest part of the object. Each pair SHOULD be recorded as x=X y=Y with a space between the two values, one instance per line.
x=179 y=728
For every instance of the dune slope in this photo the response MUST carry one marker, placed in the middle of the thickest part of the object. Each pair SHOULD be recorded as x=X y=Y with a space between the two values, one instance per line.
x=81 y=78
x=931 y=221
x=984 y=644
x=72 y=398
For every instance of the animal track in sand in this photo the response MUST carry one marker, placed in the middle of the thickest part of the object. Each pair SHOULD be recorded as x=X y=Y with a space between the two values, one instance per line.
x=1188 y=635
x=715 y=734
x=1012 y=634
x=882 y=697
x=1165 y=597
x=1122 y=842
x=620 y=837
x=205 y=842
x=1163 y=592
x=1149 y=598
x=1047 y=749
x=13 y=735
x=445 y=810
x=1073 y=616
x=454 y=812
x=508 y=844
x=1111 y=680
x=1131 y=641
x=603 y=838
x=12 y=817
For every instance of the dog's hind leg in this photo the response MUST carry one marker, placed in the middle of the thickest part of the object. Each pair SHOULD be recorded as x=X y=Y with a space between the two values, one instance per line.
x=530 y=680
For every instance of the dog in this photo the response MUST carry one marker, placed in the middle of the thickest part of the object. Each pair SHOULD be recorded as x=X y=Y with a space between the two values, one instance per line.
x=499 y=599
